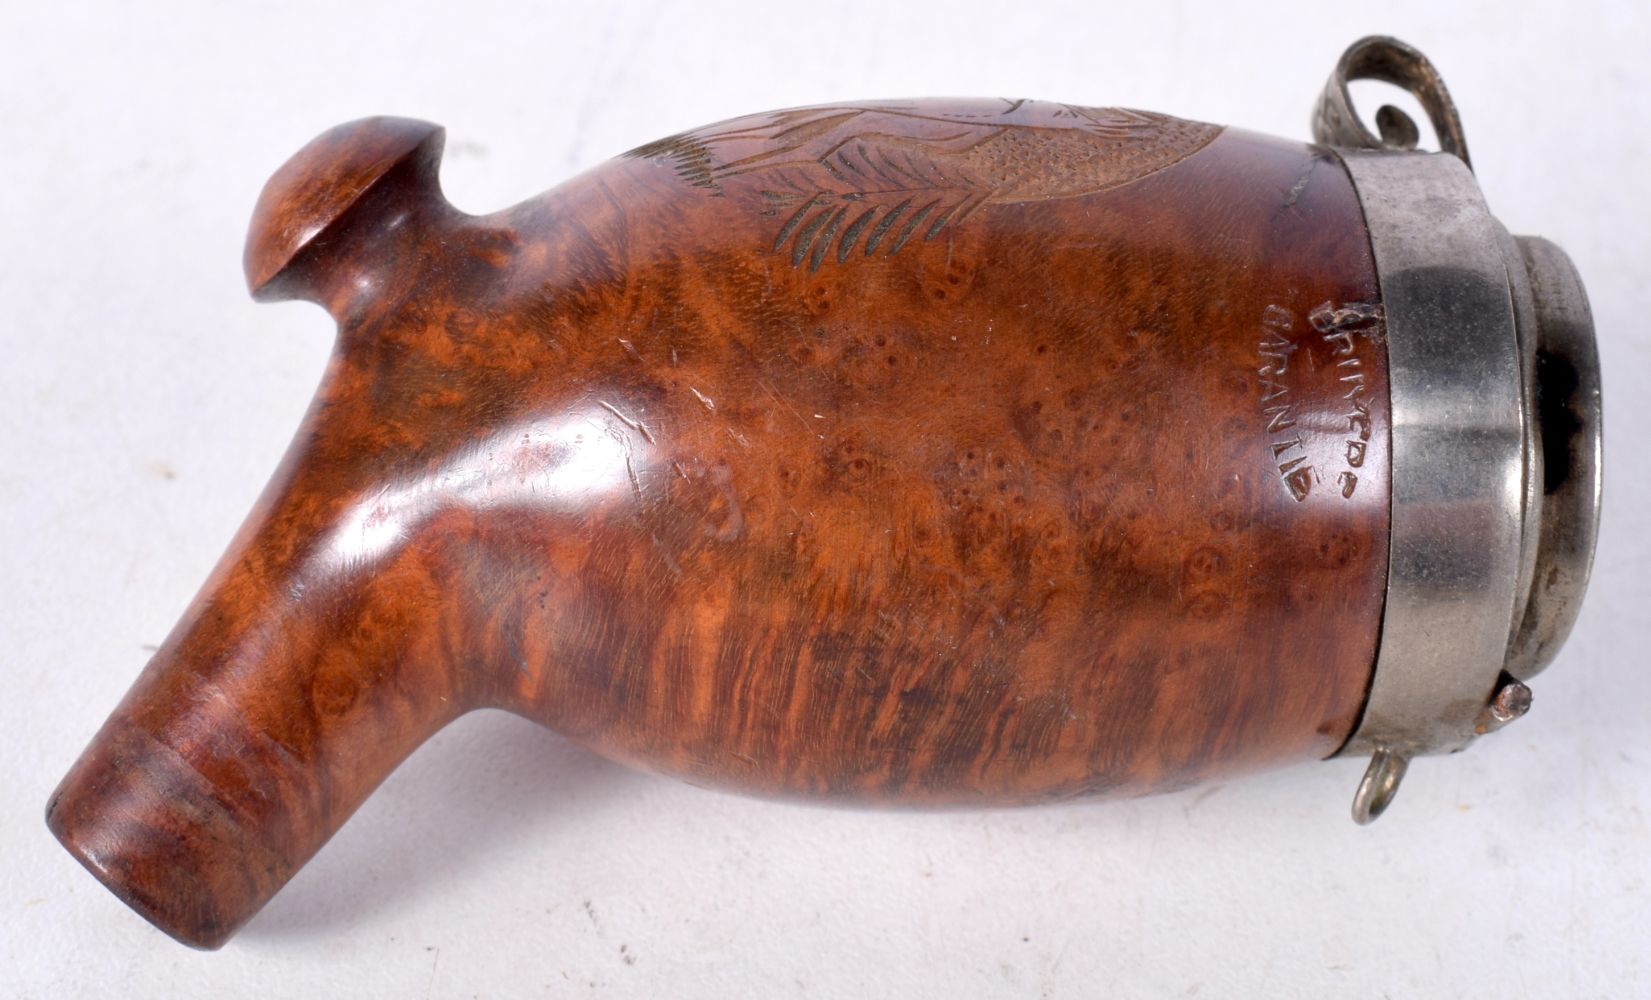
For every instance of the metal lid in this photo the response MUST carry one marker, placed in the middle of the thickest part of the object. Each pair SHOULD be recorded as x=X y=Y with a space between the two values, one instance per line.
x=1566 y=410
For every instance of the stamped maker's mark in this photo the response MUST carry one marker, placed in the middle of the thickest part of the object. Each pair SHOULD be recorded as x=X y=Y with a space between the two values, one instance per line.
x=1343 y=329
x=1284 y=391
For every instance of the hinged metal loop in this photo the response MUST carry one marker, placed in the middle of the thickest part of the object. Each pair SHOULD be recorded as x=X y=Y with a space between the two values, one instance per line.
x=1379 y=785
x=1337 y=123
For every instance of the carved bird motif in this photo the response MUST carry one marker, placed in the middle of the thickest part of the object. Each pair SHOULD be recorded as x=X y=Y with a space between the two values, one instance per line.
x=875 y=176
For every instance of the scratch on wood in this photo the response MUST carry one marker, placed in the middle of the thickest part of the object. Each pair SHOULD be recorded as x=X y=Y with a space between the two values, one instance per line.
x=631 y=422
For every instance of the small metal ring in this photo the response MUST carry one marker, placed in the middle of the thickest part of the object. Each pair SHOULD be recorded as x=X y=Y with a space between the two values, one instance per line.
x=1379 y=785
x=1337 y=123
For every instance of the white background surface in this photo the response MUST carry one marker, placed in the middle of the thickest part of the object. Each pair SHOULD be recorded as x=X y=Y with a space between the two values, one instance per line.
x=144 y=400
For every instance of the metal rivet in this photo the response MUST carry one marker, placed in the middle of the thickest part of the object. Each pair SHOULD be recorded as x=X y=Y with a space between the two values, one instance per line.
x=1513 y=699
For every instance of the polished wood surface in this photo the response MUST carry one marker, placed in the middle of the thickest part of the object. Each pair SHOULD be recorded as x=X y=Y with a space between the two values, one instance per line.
x=944 y=453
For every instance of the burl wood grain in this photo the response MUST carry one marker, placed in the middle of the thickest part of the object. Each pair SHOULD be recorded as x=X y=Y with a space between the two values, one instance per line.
x=936 y=453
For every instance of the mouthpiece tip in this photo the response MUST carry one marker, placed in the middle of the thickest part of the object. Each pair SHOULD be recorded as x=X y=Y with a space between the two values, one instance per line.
x=157 y=835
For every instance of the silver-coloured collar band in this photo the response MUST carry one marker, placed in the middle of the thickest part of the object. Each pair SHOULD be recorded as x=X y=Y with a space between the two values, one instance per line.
x=1496 y=440
x=1459 y=461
